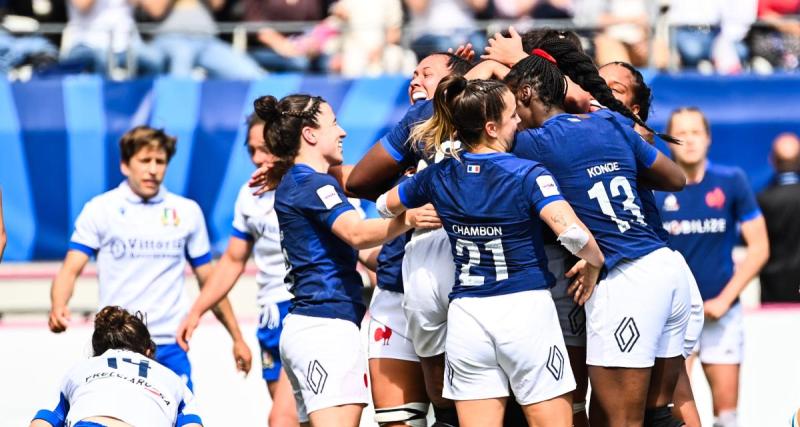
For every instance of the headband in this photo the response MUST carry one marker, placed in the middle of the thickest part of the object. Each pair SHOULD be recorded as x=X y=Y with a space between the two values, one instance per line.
x=542 y=54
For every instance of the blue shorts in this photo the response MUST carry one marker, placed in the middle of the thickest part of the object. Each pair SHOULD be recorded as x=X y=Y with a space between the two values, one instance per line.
x=270 y=326
x=173 y=357
x=88 y=424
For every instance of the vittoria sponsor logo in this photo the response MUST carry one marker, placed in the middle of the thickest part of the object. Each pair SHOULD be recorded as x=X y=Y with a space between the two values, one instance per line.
x=555 y=363
x=577 y=320
x=316 y=377
x=696 y=226
x=626 y=334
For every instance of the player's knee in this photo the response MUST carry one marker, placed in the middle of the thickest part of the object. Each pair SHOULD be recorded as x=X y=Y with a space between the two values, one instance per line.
x=660 y=417
x=411 y=414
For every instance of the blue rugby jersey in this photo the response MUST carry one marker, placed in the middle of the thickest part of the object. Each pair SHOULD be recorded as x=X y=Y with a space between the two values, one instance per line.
x=322 y=268
x=396 y=140
x=595 y=158
x=489 y=206
x=701 y=221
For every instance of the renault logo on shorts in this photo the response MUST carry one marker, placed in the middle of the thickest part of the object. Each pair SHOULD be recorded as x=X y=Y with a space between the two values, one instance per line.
x=626 y=334
x=316 y=377
x=555 y=363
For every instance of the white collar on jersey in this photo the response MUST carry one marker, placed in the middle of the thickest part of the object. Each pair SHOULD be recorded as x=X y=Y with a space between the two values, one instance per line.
x=132 y=197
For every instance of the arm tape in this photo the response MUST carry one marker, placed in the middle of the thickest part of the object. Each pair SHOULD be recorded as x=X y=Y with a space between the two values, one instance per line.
x=574 y=238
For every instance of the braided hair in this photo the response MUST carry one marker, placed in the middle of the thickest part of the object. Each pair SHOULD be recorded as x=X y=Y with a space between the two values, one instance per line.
x=284 y=123
x=544 y=77
x=581 y=69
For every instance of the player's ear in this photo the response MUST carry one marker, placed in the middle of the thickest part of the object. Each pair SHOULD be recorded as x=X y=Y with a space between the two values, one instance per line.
x=307 y=133
x=491 y=129
x=524 y=94
x=125 y=168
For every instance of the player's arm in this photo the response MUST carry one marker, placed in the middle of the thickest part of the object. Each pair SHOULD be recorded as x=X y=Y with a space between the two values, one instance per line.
x=62 y=288
x=3 y=237
x=224 y=313
x=369 y=257
x=367 y=233
x=576 y=238
x=373 y=174
x=224 y=275
x=754 y=233
x=40 y=423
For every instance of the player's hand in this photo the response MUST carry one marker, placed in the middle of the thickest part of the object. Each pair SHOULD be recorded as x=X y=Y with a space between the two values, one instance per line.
x=715 y=308
x=505 y=50
x=584 y=278
x=259 y=179
x=424 y=217
x=464 y=51
x=242 y=356
x=59 y=319
x=186 y=329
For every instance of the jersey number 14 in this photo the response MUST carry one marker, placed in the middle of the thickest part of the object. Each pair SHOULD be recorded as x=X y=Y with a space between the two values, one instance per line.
x=598 y=192
x=495 y=247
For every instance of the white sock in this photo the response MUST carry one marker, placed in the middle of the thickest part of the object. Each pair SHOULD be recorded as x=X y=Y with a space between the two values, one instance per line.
x=726 y=419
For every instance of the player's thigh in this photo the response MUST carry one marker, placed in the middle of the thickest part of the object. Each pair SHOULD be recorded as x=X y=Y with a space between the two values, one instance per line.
x=481 y=412
x=619 y=394
x=396 y=382
x=555 y=412
x=339 y=416
x=724 y=383
x=284 y=410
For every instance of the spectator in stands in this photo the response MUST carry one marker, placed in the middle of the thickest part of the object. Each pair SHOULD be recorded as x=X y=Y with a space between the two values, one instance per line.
x=436 y=25
x=623 y=29
x=310 y=51
x=709 y=34
x=187 y=39
x=371 y=37
x=776 y=43
x=99 y=31
x=275 y=50
x=780 y=204
x=2 y=228
x=16 y=50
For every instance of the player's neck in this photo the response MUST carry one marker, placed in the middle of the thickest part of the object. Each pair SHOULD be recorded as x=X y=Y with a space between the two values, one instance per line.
x=695 y=172
x=314 y=160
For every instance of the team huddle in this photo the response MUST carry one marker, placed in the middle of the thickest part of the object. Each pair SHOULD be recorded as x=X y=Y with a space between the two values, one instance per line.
x=522 y=254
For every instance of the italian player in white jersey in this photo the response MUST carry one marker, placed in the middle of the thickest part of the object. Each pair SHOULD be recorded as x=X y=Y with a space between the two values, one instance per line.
x=121 y=385
x=255 y=231
x=142 y=236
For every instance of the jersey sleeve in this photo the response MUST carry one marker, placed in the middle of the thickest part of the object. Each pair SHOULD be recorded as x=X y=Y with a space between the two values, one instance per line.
x=56 y=417
x=198 y=249
x=414 y=192
x=540 y=188
x=744 y=203
x=239 y=229
x=187 y=410
x=525 y=144
x=323 y=199
x=395 y=142
x=88 y=228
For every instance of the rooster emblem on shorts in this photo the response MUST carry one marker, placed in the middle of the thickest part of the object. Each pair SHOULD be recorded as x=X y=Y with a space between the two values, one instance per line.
x=383 y=334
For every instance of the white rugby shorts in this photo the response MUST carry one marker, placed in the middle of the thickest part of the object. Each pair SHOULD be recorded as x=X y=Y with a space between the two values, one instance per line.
x=506 y=339
x=571 y=316
x=722 y=341
x=388 y=330
x=639 y=312
x=428 y=277
x=325 y=362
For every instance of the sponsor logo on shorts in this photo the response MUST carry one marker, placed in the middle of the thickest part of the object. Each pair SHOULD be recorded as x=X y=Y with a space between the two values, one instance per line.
x=577 y=320
x=384 y=334
x=555 y=363
x=316 y=377
x=266 y=360
x=626 y=334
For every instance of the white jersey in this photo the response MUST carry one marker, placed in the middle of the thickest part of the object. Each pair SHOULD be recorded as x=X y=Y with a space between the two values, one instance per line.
x=142 y=248
x=129 y=386
x=254 y=219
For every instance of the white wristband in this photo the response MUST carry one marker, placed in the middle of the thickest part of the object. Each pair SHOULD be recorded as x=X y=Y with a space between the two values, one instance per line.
x=573 y=238
x=380 y=205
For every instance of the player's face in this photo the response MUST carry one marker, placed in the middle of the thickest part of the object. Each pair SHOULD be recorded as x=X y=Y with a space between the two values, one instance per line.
x=146 y=170
x=689 y=128
x=620 y=80
x=430 y=71
x=257 y=148
x=531 y=111
x=510 y=119
x=329 y=135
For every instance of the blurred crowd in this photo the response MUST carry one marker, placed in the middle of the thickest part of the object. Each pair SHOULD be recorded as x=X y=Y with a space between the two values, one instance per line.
x=243 y=39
